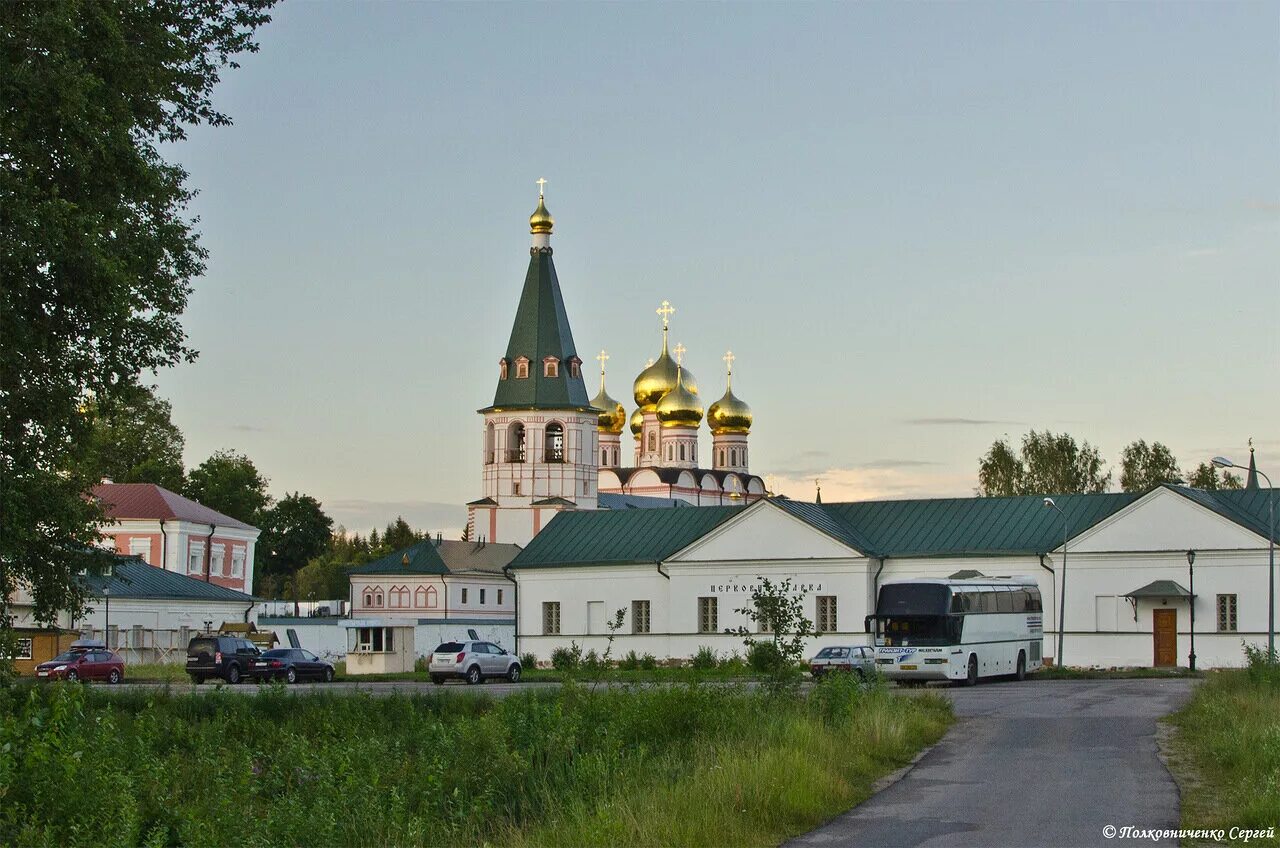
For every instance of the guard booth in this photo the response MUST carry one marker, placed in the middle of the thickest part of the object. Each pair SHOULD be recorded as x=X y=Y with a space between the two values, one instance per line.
x=378 y=647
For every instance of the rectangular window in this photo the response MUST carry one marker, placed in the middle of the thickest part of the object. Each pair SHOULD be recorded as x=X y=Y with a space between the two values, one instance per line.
x=499 y=597
x=708 y=615
x=639 y=616
x=482 y=597
x=237 y=562
x=23 y=649
x=551 y=618
x=141 y=548
x=195 y=558
x=1227 y=614
x=763 y=624
x=827 y=614
x=216 y=558
x=464 y=596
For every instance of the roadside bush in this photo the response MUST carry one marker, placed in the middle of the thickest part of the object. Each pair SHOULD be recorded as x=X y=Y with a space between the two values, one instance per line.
x=567 y=659
x=835 y=696
x=705 y=659
x=592 y=661
x=648 y=662
x=764 y=658
x=630 y=662
x=528 y=661
x=1263 y=668
x=421 y=664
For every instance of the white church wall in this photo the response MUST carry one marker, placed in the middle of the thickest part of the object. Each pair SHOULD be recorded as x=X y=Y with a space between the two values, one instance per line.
x=1166 y=521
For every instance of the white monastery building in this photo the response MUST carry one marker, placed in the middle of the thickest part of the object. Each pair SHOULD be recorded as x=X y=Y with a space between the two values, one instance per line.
x=678 y=546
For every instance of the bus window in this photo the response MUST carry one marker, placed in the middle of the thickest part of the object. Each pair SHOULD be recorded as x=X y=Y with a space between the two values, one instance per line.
x=1033 y=600
x=1004 y=600
x=959 y=602
x=988 y=598
x=1019 y=600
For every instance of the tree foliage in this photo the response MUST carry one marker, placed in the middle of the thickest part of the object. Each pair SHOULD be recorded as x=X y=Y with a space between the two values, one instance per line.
x=1144 y=466
x=230 y=483
x=777 y=610
x=98 y=257
x=1206 y=476
x=1048 y=463
x=134 y=440
x=294 y=531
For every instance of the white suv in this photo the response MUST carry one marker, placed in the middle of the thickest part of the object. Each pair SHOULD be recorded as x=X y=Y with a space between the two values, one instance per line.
x=472 y=661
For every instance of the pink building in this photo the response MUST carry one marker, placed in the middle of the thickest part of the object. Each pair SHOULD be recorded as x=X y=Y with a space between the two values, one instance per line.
x=176 y=533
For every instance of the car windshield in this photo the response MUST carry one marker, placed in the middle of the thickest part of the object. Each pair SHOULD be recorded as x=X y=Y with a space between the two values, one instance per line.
x=833 y=653
x=67 y=656
x=449 y=648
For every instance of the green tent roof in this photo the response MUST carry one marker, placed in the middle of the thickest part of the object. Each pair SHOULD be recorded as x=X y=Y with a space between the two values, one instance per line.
x=593 y=537
x=1160 y=589
x=541 y=329
x=418 y=558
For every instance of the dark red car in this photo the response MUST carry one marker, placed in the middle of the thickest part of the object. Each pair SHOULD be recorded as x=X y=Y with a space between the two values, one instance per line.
x=97 y=664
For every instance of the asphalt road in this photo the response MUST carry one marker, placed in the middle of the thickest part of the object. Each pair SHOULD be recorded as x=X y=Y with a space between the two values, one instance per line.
x=1032 y=764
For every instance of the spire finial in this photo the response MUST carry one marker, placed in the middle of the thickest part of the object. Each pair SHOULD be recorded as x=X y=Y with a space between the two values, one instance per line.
x=818 y=483
x=679 y=351
x=1251 y=444
x=665 y=310
x=728 y=359
x=541 y=185
x=602 y=358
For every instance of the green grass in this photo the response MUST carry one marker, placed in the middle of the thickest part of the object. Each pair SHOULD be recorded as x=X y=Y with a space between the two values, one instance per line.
x=680 y=765
x=1069 y=673
x=1226 y=753
x=155 y=672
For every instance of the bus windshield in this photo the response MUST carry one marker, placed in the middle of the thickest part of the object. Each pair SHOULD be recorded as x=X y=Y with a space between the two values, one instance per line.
x=898 y=599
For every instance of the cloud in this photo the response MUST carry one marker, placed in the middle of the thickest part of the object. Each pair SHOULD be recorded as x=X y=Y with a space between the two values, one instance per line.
x=951 y=422
x=868 y=482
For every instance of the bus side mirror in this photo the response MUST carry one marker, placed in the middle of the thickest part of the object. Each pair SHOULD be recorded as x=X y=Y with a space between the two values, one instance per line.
x=866 y=624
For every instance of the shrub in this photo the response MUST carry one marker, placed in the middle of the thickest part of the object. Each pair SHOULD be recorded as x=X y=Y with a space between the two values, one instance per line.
x=1263 y=668
x=763 y=657
x=528 y=661
x=421 y=664
x=648 y=662
x=704 y=659
x=630 y=662
x=592 y=661
x=567 y=659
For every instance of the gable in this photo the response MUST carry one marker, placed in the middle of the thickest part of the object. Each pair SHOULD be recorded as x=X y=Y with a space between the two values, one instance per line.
x=1166 y=521
x=764 y=532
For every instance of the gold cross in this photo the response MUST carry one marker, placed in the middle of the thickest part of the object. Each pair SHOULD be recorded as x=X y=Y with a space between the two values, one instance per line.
x=665 y=311
x=602 y=359
x=680 y=349
x=728 y=359
x=541 y=182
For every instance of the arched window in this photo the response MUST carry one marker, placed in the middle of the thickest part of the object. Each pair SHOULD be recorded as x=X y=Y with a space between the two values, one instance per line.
x=575 y=367
x=515 y=442
x=502 y=369
x=693 y=453
x=604 y=456
x=368 y=597
x=550 y=367
x=733 y=456
x=682 y=451
x=377 y=598
x=431 y=597
x=522 y=367
x=722 y=456
x=653 y=442
x=420 y=597
x=553 y=449
x=488 y=443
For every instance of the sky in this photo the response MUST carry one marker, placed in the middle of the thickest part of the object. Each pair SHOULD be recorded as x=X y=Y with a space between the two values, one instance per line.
x=919 y=227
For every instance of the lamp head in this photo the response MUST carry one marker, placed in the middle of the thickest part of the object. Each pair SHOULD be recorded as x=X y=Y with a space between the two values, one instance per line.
x=1222 y=462
x=1191 y=557
x=1048 y=503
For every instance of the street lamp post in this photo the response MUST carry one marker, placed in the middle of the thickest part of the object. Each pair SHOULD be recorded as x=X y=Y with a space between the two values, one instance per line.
x=1062 y=584
x=1191 y=567
x=106 y=627
x=1223 y=462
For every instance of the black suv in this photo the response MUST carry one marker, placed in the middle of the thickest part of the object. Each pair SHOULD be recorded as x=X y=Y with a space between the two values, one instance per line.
x=228 y=657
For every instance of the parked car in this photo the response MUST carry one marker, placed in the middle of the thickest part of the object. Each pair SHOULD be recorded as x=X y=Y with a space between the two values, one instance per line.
x=292 y=665
x=81 y=664
x=472 y=661
x=228 y=657
x=857 y=659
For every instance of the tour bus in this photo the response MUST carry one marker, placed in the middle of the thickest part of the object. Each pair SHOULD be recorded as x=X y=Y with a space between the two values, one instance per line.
x=930 y=629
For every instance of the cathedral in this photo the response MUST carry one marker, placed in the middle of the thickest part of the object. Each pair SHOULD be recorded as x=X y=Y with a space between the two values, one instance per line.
x=549 y=448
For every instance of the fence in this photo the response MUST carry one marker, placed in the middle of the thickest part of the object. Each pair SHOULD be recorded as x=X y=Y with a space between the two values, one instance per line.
x=140 y=645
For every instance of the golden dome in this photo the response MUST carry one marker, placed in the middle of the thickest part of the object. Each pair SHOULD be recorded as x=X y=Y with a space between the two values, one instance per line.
x=637 y=423
x=729 y=415
x=612 y=416
x=659 y=378
x=679 y=407
x=541 y=221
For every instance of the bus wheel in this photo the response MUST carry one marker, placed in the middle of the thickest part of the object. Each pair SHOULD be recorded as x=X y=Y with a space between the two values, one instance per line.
x=972 y=677
x=1022 y=666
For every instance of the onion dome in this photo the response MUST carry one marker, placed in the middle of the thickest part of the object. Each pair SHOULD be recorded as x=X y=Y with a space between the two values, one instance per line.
x=612 y=416
x=541 y=221
x=680 y=407
x=660 y=378
x=637 y=423
x=729 y=415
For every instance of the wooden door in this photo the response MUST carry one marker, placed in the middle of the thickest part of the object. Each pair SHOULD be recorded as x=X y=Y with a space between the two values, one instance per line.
x=1165 y=632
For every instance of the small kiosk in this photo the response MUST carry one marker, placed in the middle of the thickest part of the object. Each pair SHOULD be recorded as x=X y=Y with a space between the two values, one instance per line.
x=375 y=646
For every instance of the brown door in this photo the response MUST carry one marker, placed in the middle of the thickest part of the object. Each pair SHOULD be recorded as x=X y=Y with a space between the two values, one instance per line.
x=1165 y=629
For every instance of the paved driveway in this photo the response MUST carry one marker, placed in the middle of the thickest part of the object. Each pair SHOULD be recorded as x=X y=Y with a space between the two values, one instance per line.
x=1029 y=764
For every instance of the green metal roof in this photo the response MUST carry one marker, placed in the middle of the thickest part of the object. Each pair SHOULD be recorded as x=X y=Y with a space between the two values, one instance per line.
x=422 y=558
x=973 y=526
x=132 y=578
x=619 y=536
x=816 y=515
x=1246 y=507
x=541 y=329
x=1160 y=589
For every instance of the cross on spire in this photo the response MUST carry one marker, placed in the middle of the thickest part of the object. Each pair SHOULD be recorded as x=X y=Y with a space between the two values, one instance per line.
x=602 y=358
x=665 y=310
x=541 y=184
x=680 y=349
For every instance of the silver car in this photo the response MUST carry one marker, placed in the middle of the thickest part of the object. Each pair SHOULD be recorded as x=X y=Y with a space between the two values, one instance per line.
x=857 y=659
x=472 y=661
